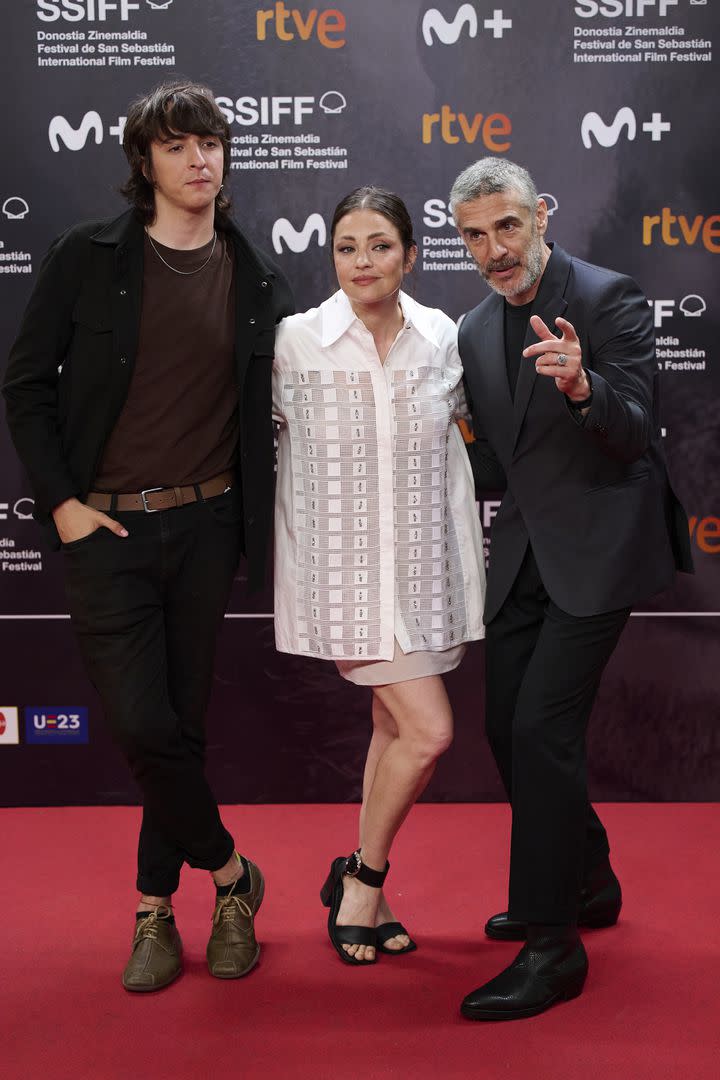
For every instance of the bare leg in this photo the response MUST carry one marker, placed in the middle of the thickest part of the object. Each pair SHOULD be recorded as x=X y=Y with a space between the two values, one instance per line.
x=398 y=769
x=152 y=903
x=384 y=731
x=232 y=871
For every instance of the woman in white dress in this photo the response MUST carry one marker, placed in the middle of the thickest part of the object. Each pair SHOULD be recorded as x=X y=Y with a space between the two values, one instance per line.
x=379 y=560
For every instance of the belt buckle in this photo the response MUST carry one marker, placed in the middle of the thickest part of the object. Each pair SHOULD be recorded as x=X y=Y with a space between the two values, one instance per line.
x=143 y=496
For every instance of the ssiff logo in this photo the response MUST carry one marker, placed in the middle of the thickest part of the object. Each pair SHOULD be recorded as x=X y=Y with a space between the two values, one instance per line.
x=50 y=725
x=77 y=10
x=691 y=306
x=618 y=9
x=435 y=27
x=9 y=734
x=248 y=111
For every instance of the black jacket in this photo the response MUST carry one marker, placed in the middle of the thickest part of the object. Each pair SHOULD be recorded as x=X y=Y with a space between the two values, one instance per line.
x=71 y=365
x=592 y=498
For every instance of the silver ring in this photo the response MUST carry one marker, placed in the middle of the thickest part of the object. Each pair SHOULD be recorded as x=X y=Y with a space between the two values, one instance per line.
x=562 y=359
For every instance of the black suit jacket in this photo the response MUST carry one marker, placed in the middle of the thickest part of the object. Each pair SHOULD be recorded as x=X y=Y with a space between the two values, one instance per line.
x=72 y=362
x=592 y=497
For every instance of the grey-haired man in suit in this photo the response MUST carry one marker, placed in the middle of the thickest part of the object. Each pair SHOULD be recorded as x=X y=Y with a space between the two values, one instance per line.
x=561 y=378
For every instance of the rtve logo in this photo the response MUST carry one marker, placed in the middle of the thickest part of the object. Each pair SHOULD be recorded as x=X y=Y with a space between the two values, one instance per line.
x=77 y=10
x=606 y=135
x=298 y=240
x=705 y=229
x=288 y=23
x=614 y=9
x=447 y=31
x=492 y=128
x=60 y=130
x=706 y=533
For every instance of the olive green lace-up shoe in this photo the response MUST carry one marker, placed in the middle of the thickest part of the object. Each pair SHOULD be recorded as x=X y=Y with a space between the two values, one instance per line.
x=233 y=950
x=156 y=957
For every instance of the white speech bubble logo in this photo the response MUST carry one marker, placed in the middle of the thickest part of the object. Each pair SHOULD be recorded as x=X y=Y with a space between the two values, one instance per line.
x=332 y=101
x=15 y=207
x=23 y=509
x=551 y=201
x=692 y=306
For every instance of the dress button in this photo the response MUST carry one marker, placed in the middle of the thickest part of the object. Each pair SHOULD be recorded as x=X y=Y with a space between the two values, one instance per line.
x=264 y=284
x=123 y=292
x=123 y=359
x=251 y=321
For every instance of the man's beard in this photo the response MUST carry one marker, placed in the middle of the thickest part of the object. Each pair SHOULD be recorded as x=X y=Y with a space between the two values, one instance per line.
x=533 y=269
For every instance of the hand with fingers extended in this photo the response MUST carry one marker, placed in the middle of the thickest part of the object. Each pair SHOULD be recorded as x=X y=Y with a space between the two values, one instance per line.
x=74 y=521
x=560 y=358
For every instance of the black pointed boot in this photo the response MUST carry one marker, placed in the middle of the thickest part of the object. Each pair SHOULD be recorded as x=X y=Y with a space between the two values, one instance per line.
x=551 y=967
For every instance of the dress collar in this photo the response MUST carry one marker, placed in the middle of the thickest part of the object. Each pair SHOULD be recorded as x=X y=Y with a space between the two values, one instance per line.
x=338 y=316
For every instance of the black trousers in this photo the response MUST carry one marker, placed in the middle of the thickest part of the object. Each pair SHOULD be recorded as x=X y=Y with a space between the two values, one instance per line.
x=147 y=609
x=543 y=670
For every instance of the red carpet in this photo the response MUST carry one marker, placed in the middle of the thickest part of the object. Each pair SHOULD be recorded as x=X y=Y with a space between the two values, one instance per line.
x=650 y=1010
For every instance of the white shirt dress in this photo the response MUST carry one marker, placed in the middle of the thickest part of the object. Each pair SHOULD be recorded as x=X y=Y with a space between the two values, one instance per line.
x=378 y=546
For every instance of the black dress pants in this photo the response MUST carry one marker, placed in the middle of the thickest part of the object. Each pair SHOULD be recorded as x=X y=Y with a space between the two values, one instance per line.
x=147 y=609
x=543 y=670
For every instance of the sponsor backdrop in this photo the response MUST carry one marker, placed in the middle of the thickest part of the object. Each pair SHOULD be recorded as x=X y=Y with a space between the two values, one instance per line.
x=606 y=102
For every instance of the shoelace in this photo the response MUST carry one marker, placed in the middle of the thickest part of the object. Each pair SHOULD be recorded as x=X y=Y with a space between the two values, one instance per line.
x=225 y=909
x=148 y=927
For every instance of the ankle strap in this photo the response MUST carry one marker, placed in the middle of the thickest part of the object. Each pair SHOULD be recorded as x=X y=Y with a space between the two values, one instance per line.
x=355 y=867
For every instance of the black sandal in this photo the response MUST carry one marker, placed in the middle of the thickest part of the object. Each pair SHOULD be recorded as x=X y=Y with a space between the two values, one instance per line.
x=385 y=931
x=331 y=896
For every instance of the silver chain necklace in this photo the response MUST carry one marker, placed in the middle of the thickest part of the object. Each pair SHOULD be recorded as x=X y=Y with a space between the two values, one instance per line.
x=185 y=273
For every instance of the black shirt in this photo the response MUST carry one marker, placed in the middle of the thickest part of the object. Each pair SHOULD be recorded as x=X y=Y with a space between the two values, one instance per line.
x=516 y=322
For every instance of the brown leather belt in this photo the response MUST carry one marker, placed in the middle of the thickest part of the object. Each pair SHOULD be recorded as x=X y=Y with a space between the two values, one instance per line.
x=153 y=499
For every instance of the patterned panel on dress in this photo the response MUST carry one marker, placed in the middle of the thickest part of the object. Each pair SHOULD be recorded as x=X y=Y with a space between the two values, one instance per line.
x=332 y=423
x=428 y=568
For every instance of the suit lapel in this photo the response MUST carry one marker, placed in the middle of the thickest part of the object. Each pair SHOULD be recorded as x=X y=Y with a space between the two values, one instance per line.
x=493 y=356
x=496 y=380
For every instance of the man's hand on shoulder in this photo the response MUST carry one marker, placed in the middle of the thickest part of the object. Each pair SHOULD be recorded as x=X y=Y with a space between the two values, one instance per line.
x=560 y=358
x=74 y=521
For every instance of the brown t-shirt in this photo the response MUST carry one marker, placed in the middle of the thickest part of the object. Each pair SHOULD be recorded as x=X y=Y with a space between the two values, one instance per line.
x=179 y=424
